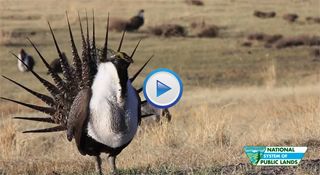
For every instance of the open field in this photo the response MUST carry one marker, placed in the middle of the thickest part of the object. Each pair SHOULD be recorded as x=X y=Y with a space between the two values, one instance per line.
x=234 y=96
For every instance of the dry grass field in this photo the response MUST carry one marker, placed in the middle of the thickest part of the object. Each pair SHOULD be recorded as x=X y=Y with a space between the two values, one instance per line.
x=234 y=95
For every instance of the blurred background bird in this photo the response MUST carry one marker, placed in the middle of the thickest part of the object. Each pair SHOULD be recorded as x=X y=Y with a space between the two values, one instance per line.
x=133 y=24
x=28 y=61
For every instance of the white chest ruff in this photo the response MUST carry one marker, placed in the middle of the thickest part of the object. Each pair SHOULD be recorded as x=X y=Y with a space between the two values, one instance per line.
x=106 y=90
x=21 y=66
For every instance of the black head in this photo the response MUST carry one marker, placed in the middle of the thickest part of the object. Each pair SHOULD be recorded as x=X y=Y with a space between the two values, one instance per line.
x=22 y=52
x=120 y=59
x=140 y=13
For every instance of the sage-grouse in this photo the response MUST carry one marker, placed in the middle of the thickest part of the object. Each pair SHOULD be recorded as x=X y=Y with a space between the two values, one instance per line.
x=135 y=22
x=94 y=101
x=26 y=60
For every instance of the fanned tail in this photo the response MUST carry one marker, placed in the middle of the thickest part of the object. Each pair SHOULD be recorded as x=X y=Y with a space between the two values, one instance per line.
x=74 y=77
x=64 y=90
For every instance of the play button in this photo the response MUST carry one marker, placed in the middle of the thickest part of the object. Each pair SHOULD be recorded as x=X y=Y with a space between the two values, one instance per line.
x=162 y=88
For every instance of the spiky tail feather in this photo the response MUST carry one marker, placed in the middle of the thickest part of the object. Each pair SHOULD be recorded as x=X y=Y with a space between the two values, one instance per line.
x=48 y=100
x=38 y=119
x=53 y=129
x=76 y=58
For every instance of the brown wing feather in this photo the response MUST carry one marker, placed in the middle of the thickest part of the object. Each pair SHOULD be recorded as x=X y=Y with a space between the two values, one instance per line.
x=78 y=114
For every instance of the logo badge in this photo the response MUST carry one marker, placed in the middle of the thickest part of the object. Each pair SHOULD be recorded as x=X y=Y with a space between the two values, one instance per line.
x=162 y=88
x=275 y=156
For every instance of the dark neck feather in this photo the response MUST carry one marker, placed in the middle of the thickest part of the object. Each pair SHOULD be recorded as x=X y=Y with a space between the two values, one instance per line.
x=118 y=117
x=123 y=77
x=122 y=70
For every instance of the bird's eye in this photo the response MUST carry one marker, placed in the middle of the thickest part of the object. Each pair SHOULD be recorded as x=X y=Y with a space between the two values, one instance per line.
x=120 y=55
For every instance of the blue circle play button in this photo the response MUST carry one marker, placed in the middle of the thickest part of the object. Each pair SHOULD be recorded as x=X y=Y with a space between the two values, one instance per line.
x=162 y=88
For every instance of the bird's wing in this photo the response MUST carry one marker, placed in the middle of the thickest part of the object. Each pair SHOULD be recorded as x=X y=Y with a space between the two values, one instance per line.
x=78 y=114
x=32 y=63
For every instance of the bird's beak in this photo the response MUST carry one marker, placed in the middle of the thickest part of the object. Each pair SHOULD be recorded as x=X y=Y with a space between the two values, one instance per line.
x=125 y=57
x=128 y=59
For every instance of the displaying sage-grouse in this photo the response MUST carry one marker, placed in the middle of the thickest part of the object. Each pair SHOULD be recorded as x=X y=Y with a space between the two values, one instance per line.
x=94 y=102
x=27 y=62
x=135 y=22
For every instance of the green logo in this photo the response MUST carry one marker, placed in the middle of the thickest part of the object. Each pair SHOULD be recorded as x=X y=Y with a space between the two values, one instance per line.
x=254 y=153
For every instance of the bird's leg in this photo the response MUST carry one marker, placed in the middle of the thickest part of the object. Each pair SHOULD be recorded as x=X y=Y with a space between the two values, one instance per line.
x=112 y=163
x=98 y=165
x=166 y=113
